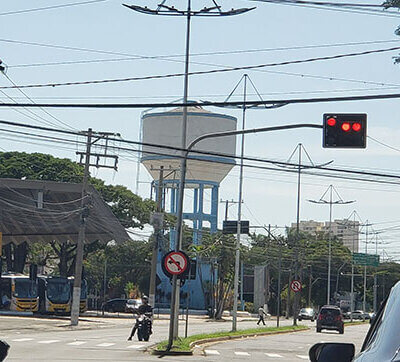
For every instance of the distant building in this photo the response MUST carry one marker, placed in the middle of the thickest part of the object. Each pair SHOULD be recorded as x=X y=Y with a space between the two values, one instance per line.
x=345 y=230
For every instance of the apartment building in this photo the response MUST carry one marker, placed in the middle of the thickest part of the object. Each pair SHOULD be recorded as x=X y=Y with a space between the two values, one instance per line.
x=346 y=230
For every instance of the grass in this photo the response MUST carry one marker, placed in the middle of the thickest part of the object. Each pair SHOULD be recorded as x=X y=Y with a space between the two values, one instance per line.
x=183 y=344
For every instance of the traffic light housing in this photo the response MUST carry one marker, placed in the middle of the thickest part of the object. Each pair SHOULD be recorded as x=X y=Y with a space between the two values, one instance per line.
x=344 y=130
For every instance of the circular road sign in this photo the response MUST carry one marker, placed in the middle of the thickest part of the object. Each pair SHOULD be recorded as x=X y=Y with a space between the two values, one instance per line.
x=176 y=262
x=295 y=285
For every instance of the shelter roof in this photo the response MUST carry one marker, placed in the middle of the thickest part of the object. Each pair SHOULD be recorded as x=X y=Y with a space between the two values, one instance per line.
x=35 y=211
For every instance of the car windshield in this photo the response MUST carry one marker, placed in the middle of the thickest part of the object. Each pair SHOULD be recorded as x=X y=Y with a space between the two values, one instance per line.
x=58 y=291
x=306 y=310
x=25 y=288
x=334 y=312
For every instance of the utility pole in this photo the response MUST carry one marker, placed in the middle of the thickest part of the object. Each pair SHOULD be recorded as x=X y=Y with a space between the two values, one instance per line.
x=227 y=202
x=365 y=268
x=278 y=308
x=309 y=285
x=340 y=201
x=158 y=226
x=76 y=296
x=237 y=246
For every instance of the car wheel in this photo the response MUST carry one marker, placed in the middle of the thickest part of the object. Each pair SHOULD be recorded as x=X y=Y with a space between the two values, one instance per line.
x=300 y=319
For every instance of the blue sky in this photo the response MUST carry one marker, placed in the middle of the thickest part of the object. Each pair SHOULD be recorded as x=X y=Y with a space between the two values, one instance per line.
x=270 y=197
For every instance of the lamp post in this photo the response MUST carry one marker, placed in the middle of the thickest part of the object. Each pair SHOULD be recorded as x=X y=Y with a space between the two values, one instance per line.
x=166 y=10
x=216 y=135
x=340 y=201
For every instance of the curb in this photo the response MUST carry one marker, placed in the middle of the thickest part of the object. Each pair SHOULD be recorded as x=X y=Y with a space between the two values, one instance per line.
x=227 y=338
x=207 y=341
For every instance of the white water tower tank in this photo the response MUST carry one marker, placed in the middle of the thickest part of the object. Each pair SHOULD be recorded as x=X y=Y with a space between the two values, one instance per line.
x=165 y=128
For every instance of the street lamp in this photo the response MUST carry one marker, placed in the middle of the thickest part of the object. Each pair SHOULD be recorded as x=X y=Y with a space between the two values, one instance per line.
x=166 y=10
x=183 y=178
x=330 y=203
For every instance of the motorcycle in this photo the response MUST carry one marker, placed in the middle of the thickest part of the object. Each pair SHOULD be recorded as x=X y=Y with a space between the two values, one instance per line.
x=144 y=325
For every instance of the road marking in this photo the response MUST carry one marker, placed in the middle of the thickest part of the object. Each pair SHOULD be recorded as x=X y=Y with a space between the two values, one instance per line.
x=49 y=341
x=22 y=339
x=273 y=355
x=136 y=346
x=77 y=343
x=302 y=356
x=105 y=344
x=242 y=354
x=211 y=352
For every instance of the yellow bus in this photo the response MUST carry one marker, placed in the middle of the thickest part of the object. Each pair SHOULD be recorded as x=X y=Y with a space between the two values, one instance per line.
x=18 y=293
x=54 y=295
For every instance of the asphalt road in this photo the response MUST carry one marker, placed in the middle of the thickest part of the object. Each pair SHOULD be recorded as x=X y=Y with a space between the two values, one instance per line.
x=100 y=339
x=291 y=347
x=97 y=339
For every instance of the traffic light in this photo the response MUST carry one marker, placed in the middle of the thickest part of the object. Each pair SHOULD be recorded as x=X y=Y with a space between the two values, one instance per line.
x=345 y=130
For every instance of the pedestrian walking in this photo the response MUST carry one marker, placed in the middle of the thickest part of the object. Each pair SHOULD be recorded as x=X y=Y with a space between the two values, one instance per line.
x=261 y=313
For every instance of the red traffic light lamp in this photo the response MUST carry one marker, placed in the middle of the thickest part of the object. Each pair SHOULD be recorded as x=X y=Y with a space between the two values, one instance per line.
x=345 y=130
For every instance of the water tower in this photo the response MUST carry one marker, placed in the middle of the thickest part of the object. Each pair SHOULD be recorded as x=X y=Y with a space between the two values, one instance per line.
x=203 y=171
x=204 y=175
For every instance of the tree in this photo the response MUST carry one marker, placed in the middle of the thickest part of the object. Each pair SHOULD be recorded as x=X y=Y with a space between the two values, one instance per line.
x=220 y=249
x=393 y=4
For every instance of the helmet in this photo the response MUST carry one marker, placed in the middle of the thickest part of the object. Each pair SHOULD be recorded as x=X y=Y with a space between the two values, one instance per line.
x=145 y=298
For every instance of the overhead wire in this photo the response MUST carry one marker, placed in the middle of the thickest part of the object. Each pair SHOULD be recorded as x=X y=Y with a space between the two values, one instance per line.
x=52 y=7
x=211 y=71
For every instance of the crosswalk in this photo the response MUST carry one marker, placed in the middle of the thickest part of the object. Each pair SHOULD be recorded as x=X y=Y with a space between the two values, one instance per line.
x=83 y=343
x=271 y=356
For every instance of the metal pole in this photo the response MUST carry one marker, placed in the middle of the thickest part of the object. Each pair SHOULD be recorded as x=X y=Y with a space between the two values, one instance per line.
x=105 y=277
x=296 y=246
x=241 y=285
x=152 y=287
x=309 y=285
x=76 y=297
x=278 y=308
x=352 y=271
x=237 y=253
x=174 y=322
x=365 y=269
x=187 y=304
x=328 y=294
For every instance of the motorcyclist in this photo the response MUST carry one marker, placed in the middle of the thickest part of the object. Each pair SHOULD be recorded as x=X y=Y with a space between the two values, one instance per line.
x=146 y=309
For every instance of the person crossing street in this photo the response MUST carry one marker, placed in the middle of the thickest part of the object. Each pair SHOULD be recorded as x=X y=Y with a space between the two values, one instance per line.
x=261 y=313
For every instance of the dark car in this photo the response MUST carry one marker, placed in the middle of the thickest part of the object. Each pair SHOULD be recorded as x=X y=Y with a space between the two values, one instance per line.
x=380 y=344
x=330 y=317
x=115 y=305
x=307 y=313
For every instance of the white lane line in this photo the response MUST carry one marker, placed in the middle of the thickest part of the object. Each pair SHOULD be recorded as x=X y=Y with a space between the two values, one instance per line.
x=242 y=354
x=77 y=343
x=49 y=341
x=22 y=339
x=136 y=346
x=105 y=344
x=302 y=356
x=211 y=352
x=273 y=355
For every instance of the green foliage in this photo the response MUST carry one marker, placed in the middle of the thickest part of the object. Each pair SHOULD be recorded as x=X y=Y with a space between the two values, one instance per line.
x=184 y=344
x=124 y=265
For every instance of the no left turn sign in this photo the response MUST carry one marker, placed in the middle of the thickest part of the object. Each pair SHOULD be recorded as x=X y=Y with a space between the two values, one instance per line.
x=175 y=263
x=295 y=285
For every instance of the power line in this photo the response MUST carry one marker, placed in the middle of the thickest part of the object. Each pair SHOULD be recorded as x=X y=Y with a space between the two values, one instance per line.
x=247 y=158
x=206 y=103
x=51 y=7
x=212 y=71
x=131 y=57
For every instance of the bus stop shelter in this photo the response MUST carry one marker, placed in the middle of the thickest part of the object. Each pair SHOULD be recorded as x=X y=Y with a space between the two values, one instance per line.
x=32 y=211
